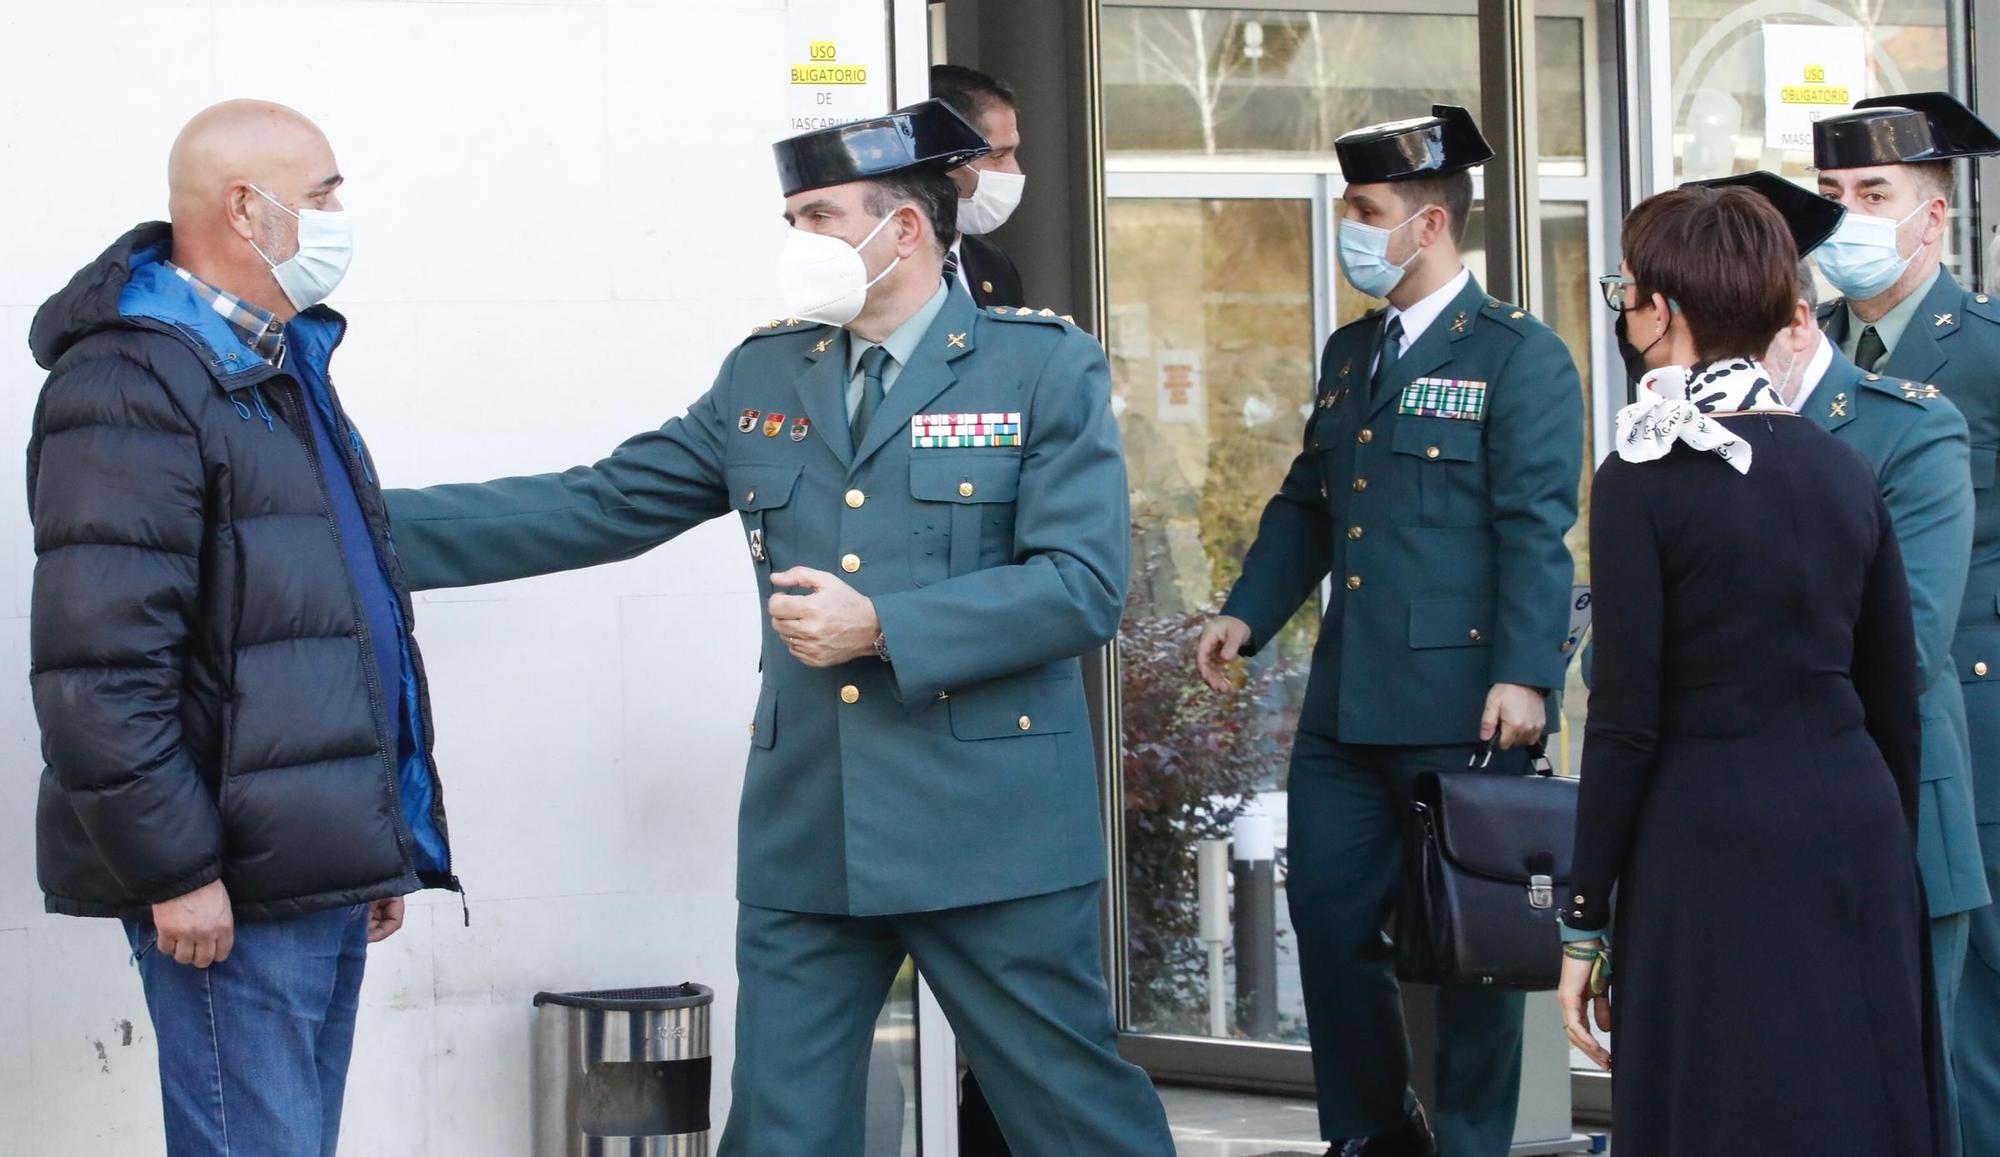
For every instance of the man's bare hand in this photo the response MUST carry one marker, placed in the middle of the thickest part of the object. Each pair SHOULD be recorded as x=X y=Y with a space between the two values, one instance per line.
x=1517 y=714
x=197 y=929
x=830 y=624
x=1221 y=641
x=384 y=917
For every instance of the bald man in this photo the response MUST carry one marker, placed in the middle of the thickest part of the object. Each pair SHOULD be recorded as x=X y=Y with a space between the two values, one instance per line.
x=235 y=725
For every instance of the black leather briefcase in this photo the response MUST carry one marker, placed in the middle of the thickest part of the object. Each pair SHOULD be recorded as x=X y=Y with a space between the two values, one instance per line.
x=1486 y=858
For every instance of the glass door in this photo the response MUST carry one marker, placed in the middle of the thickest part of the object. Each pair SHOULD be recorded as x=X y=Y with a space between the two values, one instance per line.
x=1223 y=192
x=1705 y=102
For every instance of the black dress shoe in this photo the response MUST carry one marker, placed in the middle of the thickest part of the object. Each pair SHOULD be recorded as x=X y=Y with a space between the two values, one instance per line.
x=1414 y=1139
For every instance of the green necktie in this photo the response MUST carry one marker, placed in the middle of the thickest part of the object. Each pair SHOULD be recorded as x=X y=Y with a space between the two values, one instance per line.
x=1387 y=356
x=872 y=363
x=1868 y=352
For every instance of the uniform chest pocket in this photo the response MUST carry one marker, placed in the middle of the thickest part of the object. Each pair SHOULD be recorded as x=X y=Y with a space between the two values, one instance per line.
x=760 y=494
x=1005 y=708
x=1445 y=458
x=962 y=519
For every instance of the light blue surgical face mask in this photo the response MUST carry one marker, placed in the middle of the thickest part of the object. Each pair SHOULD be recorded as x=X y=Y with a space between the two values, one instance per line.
x=1364 y=257
x=1862 y=259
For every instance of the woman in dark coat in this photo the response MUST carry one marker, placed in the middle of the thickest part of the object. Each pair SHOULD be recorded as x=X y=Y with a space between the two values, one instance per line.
x=1750 y=769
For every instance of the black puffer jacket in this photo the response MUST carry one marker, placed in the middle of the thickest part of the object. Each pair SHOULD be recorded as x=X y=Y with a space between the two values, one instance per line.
x=200 y=668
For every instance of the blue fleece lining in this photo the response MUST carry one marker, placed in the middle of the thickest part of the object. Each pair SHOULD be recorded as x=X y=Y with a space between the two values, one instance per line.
x=156 y=292
x=311 y=341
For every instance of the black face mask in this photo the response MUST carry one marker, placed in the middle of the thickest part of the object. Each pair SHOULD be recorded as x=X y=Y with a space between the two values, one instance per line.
x=1633 y=356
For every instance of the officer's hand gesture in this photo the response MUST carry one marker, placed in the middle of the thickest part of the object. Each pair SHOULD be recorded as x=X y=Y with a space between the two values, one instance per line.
x=1221 y=641
x=830 y=624
x=1516 y=715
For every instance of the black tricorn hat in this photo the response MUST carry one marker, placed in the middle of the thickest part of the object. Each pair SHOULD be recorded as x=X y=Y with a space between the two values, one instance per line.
x=1444 y=142
x=1811 y=217
x=1901 y=130
x=926 y=135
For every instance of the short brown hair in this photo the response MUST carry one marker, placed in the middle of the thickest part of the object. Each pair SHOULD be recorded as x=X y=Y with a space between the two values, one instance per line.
x=935 y=196
x=1724 y=258
x=1451 y=191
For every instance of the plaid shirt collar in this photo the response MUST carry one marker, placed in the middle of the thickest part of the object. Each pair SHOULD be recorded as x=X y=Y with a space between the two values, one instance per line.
x=259 y=330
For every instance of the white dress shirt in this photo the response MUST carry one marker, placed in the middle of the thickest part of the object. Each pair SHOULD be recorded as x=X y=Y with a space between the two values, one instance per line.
x=1822 y=360
x=1419 y=317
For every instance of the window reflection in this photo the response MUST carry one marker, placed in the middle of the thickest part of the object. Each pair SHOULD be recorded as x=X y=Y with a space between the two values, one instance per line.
x=1218 y=81
x=1211 y=343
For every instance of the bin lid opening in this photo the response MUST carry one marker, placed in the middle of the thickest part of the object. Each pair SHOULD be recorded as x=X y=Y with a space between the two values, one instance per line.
x=658 y=999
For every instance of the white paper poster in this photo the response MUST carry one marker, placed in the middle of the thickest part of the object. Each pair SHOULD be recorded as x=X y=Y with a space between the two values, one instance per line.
x=1811 y=71
x=1181 y=397
x=838 y=62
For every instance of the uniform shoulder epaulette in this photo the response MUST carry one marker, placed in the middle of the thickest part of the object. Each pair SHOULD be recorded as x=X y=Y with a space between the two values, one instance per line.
x=1827 y=309
x=1983 y=305
x=1509 y=314
x=781 y=325
x=1916 y=393
x=1025 y=313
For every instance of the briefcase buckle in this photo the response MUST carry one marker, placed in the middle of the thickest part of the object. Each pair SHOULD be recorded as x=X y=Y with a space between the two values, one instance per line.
x=1541 y=892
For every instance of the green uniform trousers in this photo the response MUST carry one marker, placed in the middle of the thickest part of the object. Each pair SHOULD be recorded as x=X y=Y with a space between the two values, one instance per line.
x=1346 y=811
x=1022 y=983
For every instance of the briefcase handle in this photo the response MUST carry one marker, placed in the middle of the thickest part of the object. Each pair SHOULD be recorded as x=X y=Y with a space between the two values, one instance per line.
x=1538 y=757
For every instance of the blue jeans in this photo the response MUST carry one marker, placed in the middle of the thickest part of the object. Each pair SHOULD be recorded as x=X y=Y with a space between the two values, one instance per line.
x=254 y=1050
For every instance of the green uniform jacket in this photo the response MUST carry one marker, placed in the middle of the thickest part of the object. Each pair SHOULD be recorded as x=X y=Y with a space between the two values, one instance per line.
x=1953 y=343
x=963 y=772
x=1918 y=446
x=1443 y=534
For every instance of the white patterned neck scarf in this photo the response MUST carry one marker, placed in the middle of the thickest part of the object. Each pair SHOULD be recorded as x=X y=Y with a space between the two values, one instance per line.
x=1675 y=405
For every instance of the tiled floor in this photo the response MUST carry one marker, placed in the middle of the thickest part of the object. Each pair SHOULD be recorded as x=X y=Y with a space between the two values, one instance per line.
x=1210 y=1123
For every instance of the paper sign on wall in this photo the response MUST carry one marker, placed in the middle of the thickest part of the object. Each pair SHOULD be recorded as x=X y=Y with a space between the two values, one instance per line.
x=838 y=62
x=1811 y=71
x=1181 y=398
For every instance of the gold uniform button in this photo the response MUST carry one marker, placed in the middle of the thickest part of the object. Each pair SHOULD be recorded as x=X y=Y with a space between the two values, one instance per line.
x=1474 y=635
x=1354 y=582
x=1979 y=669
x=965 y=489
x=1353 y=532
x=1367 y=436
x=749 y=496
x=753 y=731
x=1432 y=451
x=850 y=563
x=1360 y=484
x=1026 y=723
x=850 y=694
x=986 y=287
x=855 y=498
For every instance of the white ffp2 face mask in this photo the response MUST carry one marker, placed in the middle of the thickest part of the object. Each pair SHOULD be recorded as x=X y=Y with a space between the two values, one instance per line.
x=326 y=248
x=824 y=279
x=993 y=200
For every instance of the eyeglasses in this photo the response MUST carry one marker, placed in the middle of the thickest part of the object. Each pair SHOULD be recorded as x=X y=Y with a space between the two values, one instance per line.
x=1612 y=285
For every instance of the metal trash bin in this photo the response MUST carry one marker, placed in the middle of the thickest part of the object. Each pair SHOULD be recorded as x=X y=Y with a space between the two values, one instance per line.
x=622 y=1072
